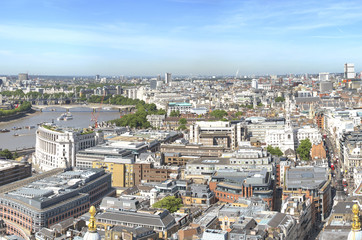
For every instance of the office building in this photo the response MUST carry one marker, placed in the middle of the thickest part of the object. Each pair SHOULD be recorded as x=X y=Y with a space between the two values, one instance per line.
x=315 y=184
x=230 y=185
x=168 y=79
x=254 y=83
x=50 y=200
x=325 y=86
x=193 y=149
x=217 y=133
x=11 y=171
x=349 y=72
x=23 y=76
x=153 y=84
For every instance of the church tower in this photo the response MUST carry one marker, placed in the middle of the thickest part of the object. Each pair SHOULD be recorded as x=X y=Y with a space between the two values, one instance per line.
x=288 y=128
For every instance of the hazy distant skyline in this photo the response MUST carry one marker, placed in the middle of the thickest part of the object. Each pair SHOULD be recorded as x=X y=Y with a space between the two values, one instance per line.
x=184 y=37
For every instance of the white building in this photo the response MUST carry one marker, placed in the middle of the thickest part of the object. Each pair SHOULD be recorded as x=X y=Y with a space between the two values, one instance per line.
x=323 y=76
x=349 y=71
x=168 y=79
x=282 y=138
x=56 y=147
x=181 y=107
x=313 y=134
x=254 y=83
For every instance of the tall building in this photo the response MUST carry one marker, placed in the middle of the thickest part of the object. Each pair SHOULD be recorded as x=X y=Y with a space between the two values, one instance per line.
x=323 y=76
x=23 y=76
x=254 y=83
x=56 y=147
x=168 y=78
x=153 y=84
x=349 y=71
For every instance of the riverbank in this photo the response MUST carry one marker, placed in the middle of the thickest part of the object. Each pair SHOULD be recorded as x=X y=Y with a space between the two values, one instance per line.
x=19 y=116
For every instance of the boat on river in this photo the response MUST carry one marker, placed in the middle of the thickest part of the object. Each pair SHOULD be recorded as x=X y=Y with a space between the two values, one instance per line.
x=4 y=130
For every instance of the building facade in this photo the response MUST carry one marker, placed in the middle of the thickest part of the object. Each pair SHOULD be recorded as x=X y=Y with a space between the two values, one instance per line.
x=56 y=147
x=50 y=200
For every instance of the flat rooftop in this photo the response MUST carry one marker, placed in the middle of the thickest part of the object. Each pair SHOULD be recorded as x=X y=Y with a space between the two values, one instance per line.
x=52 y=190
x=306 y=177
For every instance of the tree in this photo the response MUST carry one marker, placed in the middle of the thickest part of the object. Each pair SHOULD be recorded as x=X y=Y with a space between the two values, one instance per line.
x=304 y=149
x=274 y=151
x=279 y=99
x=175 y=113
x=239 y=114
x=171 y=203
x=182 y=127
x=219 y=114
x=182 y=121
x=6 y=153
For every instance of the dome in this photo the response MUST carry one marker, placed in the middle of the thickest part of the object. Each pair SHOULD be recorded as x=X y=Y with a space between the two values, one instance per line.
x=354 y=235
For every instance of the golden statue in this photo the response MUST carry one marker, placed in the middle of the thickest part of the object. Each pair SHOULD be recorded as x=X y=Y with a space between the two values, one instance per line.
x=92 y=219
x=356 y=225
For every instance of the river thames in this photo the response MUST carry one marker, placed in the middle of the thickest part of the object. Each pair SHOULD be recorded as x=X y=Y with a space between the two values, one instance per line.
x=25 y=138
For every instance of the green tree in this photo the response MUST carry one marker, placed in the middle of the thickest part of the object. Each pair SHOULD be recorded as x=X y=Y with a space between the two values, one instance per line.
x=274 y=151
x=182 y=127
x=219 y=114
x=6 y=153
x=239 y=114
x=175 y=113
x=182 y=121
x=279 y=99
x=304 y=149
x=171 y=203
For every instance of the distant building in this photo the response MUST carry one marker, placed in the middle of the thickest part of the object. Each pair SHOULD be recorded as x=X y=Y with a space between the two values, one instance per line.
x=23 y=76
x=254 y=83
x=153 y=84
x=349 y=72
x=323 y=76
x=168 y=79
x=325 y=87
x=182 y=107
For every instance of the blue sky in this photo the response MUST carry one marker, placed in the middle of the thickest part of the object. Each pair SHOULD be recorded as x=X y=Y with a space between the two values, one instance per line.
x=149 y=37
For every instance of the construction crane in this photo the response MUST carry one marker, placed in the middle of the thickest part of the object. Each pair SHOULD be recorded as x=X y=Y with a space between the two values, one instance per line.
x=95 y=113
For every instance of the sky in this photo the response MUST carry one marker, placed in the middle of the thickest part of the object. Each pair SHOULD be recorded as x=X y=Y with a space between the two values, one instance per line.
x=184 y=37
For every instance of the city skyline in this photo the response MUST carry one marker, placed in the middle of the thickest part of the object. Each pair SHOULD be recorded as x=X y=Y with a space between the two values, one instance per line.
x=185 y=37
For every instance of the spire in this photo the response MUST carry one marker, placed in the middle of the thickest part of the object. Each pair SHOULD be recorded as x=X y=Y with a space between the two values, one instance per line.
x=92 y=221
x=356 y=225
x=288 y=125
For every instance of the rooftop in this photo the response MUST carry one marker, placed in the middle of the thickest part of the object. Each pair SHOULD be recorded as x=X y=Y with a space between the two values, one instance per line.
x=306 y=177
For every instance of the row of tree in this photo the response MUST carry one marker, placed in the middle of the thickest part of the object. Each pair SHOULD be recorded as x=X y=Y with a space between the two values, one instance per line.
x=138 y=119
x=7 y=154
x=25 y=106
